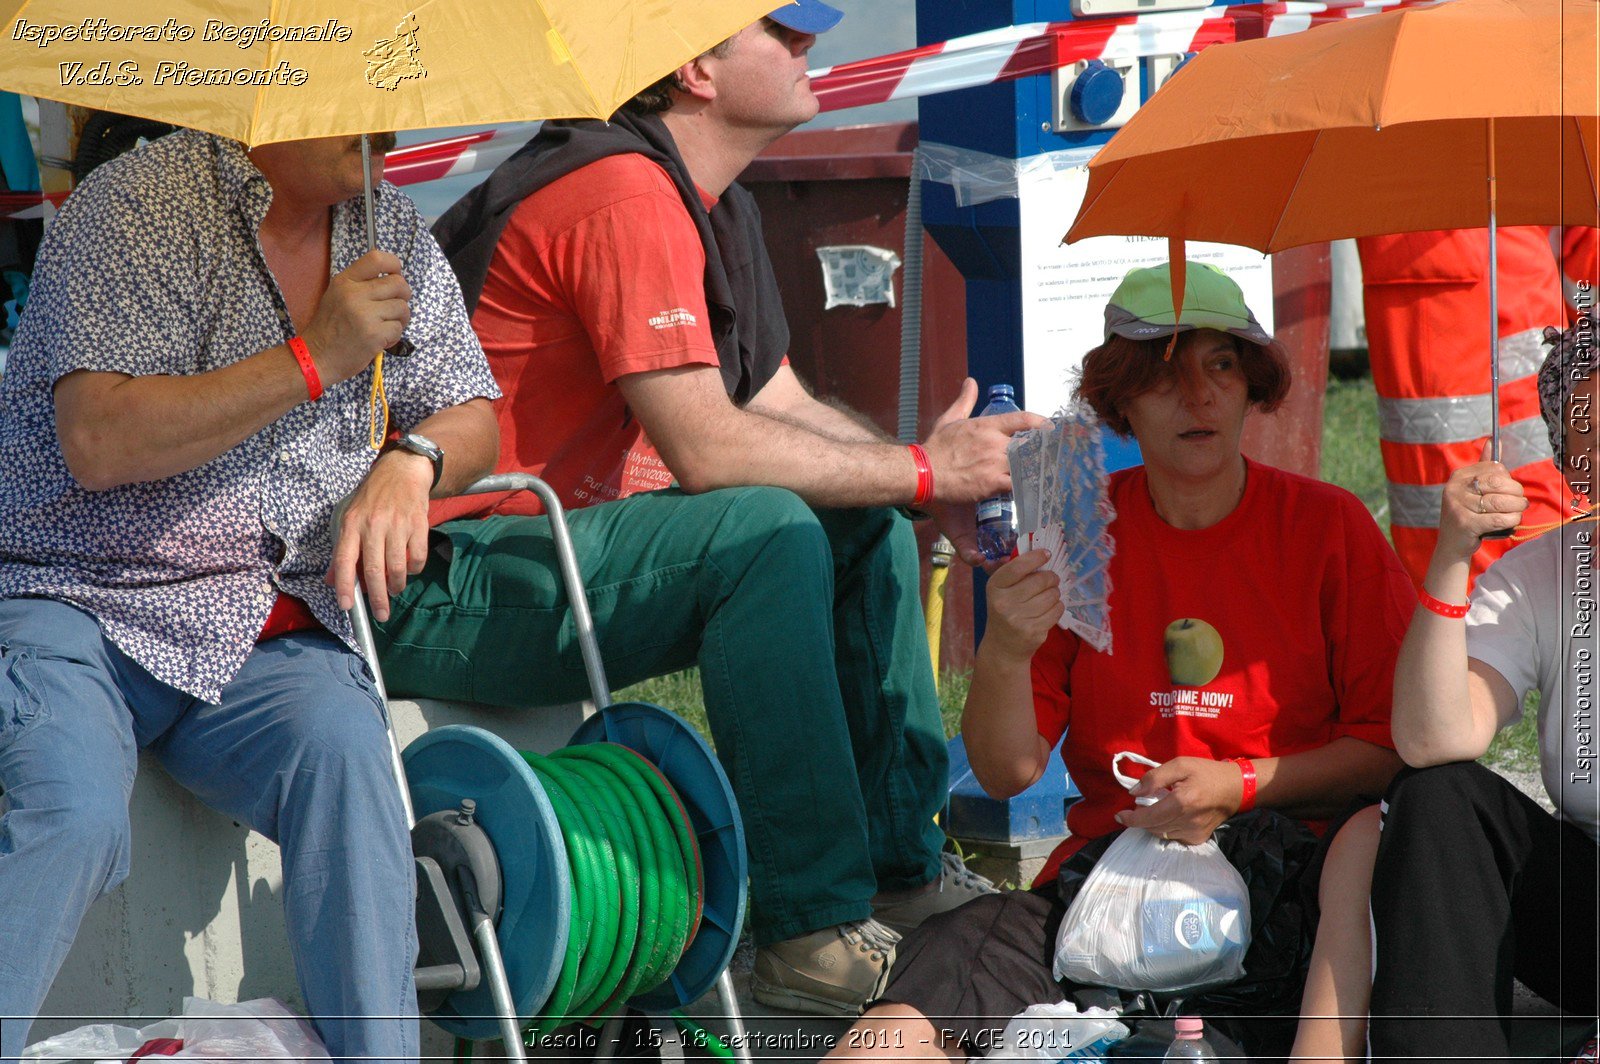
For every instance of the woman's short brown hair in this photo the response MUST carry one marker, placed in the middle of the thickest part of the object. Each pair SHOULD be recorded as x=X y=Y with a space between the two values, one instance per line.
x=1121 y=369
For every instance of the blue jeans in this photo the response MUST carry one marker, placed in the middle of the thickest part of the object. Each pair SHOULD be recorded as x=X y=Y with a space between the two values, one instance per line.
x=296 y=750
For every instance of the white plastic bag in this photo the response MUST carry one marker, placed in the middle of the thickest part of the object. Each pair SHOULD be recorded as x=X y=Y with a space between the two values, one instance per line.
x=1156 y=915
x=1058 y=1032
x=250 y=1031
x=98 y=1042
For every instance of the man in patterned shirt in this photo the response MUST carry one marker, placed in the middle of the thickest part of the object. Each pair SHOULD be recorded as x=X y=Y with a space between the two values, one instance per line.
x=186 y=402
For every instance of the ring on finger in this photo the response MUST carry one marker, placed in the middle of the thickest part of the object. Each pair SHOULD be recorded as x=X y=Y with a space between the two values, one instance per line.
x=1482 y=509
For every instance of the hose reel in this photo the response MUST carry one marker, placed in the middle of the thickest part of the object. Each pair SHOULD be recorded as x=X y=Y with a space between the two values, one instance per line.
x=495 y=888
x=489 y=844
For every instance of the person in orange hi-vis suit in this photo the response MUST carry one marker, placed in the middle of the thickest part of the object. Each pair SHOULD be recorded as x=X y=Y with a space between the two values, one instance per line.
x=1427 y=305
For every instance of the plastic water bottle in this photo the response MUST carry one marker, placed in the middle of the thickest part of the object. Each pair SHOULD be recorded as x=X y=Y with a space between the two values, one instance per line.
x=1190 y=1043
x=997 y=518
x=1176 y=934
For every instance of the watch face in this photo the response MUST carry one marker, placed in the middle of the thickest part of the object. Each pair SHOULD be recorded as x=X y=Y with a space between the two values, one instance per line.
x=420 y=445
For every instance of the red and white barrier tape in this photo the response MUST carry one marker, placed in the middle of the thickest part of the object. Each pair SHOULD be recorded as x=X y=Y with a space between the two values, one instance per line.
x=961 y=63
x=470 y=153
x=1039 y=47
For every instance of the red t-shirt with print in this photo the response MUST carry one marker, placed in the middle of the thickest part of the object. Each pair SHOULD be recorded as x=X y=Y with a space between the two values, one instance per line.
x=1270 y=633
x=597 y=275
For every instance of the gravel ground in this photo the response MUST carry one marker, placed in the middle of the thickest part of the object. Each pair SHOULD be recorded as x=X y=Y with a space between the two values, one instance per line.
x=1528 y=782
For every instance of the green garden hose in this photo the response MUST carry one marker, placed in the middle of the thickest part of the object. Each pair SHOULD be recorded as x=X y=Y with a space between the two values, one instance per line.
x=636 y=878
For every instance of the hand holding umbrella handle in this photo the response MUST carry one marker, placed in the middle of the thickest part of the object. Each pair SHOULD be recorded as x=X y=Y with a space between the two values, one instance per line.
x=1477 y=500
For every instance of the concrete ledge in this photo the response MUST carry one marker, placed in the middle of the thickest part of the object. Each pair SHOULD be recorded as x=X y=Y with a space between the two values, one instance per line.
x=201 y=914
x=1008 y=863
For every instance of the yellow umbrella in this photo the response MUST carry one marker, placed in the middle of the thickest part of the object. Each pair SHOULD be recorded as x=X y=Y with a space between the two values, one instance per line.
x=261 y=71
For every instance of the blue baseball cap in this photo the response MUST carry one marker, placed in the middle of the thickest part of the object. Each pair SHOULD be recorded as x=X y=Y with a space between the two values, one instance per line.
x=807 y=16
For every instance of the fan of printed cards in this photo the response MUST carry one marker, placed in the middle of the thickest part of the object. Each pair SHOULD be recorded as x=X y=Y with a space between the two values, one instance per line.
x=1058 y=486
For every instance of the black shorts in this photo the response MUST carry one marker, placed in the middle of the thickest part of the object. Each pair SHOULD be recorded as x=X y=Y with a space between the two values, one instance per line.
x=969 y=971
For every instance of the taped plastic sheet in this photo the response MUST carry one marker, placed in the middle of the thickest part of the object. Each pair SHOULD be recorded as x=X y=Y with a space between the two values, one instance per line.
x=857 y=275
x=978 y=177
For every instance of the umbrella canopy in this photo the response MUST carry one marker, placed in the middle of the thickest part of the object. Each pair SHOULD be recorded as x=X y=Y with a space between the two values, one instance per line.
x=1379 y=124
x=261 y=71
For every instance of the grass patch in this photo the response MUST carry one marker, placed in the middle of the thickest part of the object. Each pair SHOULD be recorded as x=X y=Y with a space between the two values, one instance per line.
x=677 y=691
x=1517 y=747
x=1350 y=455
x=680 y=692
x=953 y=689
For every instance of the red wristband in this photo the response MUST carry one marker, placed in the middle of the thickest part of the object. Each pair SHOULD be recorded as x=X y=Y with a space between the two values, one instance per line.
x=924 y=476
x=308 y=368
x=1247 y=780
x=1439 y=606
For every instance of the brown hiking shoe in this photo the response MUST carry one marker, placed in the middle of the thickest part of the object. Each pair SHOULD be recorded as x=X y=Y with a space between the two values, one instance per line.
x=832 y=972
x=957 y=884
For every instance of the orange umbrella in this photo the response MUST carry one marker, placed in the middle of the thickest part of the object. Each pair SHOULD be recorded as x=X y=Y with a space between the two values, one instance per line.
x=1453 y=116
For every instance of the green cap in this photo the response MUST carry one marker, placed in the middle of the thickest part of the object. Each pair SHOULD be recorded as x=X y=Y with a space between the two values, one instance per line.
x=1141 y=307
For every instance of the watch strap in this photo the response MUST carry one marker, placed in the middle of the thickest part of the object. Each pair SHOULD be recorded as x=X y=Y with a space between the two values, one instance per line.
x=427 y=449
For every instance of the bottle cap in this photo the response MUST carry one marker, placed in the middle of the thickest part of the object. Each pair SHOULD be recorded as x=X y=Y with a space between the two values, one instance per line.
x=1190 y=1026
x=1001 y=389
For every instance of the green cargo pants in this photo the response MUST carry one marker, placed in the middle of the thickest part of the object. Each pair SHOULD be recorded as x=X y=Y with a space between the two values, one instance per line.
x=808 y=630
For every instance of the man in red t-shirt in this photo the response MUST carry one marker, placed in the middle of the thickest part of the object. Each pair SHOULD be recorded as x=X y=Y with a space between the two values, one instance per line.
x=629 y=310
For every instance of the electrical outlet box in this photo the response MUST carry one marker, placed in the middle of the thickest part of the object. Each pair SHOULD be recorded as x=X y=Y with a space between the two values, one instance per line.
x=1066 y=120
x=1158 y=68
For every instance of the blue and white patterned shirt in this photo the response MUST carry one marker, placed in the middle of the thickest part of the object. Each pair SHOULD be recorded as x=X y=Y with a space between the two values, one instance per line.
x=153 y=267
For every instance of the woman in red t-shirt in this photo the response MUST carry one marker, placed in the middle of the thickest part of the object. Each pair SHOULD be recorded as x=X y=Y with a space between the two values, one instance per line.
x=1255 y=615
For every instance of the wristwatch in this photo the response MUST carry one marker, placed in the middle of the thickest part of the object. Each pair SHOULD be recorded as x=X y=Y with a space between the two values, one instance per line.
x=416 y=444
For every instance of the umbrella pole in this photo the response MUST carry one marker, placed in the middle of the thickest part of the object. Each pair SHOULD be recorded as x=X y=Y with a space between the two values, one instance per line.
x=380 y=400
x=1494 y=314
x=367 y=192
x=1494 y=332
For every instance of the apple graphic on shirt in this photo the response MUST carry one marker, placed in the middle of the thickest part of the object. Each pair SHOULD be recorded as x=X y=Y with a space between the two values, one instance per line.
x=1194 y=652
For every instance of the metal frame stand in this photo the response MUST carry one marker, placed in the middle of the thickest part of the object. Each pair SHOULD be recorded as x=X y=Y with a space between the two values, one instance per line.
x=600 y=690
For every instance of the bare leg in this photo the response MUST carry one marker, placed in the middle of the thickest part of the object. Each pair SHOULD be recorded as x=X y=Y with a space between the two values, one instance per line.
x=1333 y=1013
x=895 y=1032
